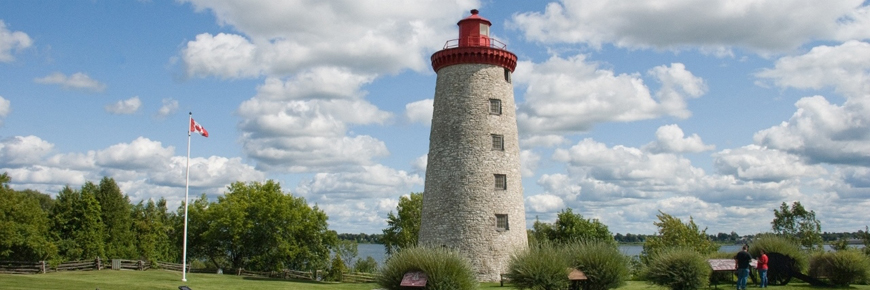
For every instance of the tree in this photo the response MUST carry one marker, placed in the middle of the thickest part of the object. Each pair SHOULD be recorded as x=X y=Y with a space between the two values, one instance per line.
x=256 y=226
x=348 y=250
x=673 y=233
x=799 y=224
x=152 y=228
x=76 y=224
x=403 y=229
x=570 y=227
x=24 y=225
x=116 y=216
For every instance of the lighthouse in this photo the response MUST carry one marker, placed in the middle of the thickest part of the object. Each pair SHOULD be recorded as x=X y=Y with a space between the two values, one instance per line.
x=473 y=197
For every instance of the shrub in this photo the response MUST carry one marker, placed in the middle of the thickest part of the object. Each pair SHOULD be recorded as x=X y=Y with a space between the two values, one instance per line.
x=678 y=269
x=367 y=265
x=602 y=262
x=778 y=244
x=445 y=269
x=336 y=269
x=541 y=267
x=841 y=267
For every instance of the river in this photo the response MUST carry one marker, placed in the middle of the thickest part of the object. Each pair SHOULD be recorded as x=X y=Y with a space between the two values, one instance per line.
x=377 y=251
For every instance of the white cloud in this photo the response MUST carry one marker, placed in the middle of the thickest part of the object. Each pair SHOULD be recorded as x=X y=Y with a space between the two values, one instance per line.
x=12 y=41
x=419 y=164
x=5 y=108
x=77 y=80
x=823 y=132
x=214 y=172
x=572 y=95
x=543 y=141
x=753 y=162
x=168 y=108
x=283 y=38
x=23 y=150
x=376 y=181
x=420 y=112
x=141 y=154
x=711 y=26
x=845 y=67
x=528 y=162
x=671 y=139
x=124 y=107
x=544 y=203
x=304 y=133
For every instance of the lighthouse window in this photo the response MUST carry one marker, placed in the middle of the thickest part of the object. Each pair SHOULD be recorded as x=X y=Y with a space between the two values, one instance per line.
x=507 y=75
x=501 y=222
x=498 y=142
x=495 y=106
x=500 y=181
x=484 y=29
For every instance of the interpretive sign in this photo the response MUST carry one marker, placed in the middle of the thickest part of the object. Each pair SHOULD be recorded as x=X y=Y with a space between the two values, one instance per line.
x=414 y=279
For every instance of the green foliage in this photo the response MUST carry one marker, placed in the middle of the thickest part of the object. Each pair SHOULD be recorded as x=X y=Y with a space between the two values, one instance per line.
x=779 y=244
x=798 y=223
x=602 y=262
x=152 y=226
x=445 y=269
x=674 y=233
x=77 y=225
x=258 y=227
x=570 y=227
x=116 y=216
x=23 y=226
x=543 y=266
x=678 y=269
x=841 y=267
x=336 y=269
x=347 y=249
x=403 y=228
x=367 y=265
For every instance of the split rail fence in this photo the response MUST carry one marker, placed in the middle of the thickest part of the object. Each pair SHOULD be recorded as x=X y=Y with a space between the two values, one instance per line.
x=19 y=267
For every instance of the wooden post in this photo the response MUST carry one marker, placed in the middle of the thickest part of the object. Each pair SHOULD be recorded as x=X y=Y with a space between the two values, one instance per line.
x=99 y=265
x=42 y=266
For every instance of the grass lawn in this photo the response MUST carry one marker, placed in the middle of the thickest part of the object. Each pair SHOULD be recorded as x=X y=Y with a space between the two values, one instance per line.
x=161 y=279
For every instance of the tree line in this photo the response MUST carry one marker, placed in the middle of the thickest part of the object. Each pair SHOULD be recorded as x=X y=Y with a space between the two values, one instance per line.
x=255 y=226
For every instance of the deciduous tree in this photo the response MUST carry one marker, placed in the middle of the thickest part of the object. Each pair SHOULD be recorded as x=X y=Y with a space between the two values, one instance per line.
x=24 y=225
x=403 y=228
x=799 y=224
x=570 y=226
x=673 y=233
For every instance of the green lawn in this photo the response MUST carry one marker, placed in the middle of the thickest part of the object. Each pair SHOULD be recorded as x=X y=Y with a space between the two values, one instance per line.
x=161 y=279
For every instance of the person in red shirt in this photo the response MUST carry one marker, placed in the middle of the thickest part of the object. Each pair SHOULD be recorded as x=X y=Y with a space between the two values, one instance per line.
x=762 y=268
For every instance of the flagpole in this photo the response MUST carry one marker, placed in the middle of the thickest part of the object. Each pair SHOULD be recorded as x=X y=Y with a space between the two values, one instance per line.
x=186 y=201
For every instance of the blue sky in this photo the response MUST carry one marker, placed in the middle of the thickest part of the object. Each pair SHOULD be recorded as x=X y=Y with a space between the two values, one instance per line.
x=718 y=110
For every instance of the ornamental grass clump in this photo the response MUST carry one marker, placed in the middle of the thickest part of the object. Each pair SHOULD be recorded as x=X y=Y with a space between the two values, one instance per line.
x=445 y=269
x=782 y=245
x=841 y=267
x=602 y=262
x=541 y=267
x=678 y=269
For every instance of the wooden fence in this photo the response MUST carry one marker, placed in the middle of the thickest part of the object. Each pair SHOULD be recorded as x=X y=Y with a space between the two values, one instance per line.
x=18 y=267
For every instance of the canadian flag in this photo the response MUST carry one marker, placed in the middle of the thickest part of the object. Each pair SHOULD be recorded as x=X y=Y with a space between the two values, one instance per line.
x=196 y=127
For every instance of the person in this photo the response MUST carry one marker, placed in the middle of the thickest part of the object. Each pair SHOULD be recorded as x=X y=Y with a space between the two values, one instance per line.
x=741 y=263
x=762 y=268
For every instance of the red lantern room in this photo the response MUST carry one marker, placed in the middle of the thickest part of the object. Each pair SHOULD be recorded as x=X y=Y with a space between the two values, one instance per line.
x=474 y=46
x=474 y=30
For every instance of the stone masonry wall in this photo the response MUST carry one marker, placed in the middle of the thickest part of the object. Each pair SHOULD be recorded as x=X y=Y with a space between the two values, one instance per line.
x=460 y=201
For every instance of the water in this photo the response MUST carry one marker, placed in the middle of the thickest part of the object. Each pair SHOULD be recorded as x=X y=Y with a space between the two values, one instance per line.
x=377 y=251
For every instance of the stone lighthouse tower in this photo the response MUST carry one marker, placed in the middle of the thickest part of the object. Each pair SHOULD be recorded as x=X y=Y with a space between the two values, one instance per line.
x=473 y=198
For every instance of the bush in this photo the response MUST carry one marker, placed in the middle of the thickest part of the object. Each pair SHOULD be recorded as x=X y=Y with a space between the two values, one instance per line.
x=777 y=244
x=445 y=269
x=602 y=262
x=367 y=265
x=678 y=269
x=541 y=267
x=336 y=269
x=841 y=267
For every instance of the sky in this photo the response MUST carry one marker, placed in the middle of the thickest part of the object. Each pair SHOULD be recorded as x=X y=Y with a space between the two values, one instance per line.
x=715 y=110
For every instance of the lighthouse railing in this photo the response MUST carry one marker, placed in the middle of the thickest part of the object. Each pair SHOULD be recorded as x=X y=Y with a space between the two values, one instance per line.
x=494 y=43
